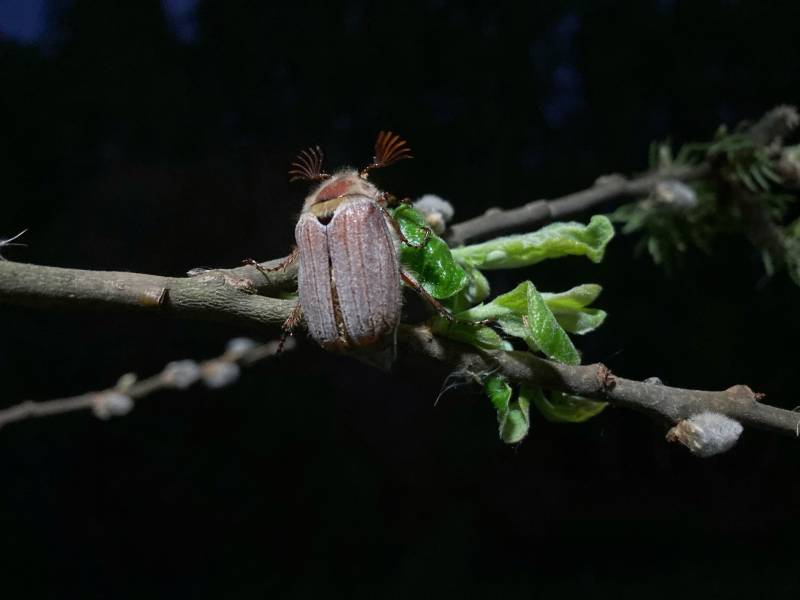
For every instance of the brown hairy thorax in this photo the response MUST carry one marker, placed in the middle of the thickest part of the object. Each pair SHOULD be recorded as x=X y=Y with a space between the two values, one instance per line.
x=333 y=192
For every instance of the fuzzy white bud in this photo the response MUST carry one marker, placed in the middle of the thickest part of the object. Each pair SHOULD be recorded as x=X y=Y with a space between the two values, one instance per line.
x=706 y=434
x=438 y=211
x=789 y=166
x=181 y=374
x=675 y=194
x=238 y=347
x=111 y=404
x=219 y=373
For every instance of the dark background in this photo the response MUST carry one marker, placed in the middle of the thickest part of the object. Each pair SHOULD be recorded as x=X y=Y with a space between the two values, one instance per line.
x=155 y=137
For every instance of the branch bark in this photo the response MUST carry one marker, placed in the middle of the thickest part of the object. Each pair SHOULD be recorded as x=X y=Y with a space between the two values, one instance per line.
x=539 y=212
x=228 y=295
x=218 y=295
x=119 y=400
x=596 y=381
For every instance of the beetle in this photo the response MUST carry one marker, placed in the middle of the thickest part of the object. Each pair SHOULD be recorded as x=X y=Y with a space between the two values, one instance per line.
x=349 y=276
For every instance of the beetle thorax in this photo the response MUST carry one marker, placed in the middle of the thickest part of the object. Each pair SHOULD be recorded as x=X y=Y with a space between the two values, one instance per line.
x=339 y=189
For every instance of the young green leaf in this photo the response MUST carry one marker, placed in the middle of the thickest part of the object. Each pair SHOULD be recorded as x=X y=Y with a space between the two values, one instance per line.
x=476 y=290
x=552 y=241
x=574 y=298
x=523 y=313
x=560 y=407
x=513 y=417
x=570 y=308
x=432 y=264
x=474 y=334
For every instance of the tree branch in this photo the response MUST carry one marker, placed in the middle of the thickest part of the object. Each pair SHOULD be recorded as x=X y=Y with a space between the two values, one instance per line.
x=223 y=296
x=534 y=214
x=596 y=381
x=214 y=295
x=119 y=400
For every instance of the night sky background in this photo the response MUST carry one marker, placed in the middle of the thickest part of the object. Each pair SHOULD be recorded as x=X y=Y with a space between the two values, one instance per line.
x=155 y=137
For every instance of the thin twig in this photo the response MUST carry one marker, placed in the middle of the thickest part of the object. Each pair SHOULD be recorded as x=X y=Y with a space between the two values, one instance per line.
x=119 y=400
x=596 y=381
x=534 y=214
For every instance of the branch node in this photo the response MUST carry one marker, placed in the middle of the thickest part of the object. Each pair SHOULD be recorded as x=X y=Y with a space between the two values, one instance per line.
x=743 y=394
x=610 y=179
x=242 y=284
x=606 y=378
x=154 y=297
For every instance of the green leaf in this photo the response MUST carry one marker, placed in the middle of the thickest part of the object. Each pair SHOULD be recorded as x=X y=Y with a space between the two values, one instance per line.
x=575 y=298
x=523 y=313
x=570 y=308
x=552 y=241
x=582 y=321
x=562 y=408
x=476 y=290
x=513 y=417
x=474 y=334
x=432 y=264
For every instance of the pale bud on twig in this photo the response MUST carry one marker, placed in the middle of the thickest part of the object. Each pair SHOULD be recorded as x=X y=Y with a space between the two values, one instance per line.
x=238 y=347
x=111 y=404
x=776 y=125
x=438 y=211
x=126 y=381
x=181 y=374
x=706 y=434
x=219 y=373
x=675 y=194
x=789 y=166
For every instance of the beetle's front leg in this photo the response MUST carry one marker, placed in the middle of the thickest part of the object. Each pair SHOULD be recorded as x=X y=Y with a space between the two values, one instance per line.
x=396 y=226
x=281 y=266
x=289 y=324
x=417 y=287
x=387 y=199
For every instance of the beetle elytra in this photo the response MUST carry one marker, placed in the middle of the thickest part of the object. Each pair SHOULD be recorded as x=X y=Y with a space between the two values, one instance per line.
x=349 y=276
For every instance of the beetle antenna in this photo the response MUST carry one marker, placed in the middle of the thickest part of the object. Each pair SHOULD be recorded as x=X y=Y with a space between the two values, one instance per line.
x=308 y=166
x=12 y=242
x=389 y=149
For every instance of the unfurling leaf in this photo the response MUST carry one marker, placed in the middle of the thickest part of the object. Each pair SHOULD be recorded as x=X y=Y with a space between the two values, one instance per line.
x=570 y=308
x=474 y=334
x=552 y=241
x=513 y=417
x=523 y=313
x=560 y=407
x=476 y=290
x=432 y=264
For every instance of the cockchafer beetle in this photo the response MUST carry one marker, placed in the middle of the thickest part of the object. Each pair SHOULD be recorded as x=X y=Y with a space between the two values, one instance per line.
x=349 y=276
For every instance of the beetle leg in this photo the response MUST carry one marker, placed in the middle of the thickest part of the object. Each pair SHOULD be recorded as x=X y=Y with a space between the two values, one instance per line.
x=387 y=199
x=281 y=266
x=289 y=324
x=396 y=226
x=413 y=283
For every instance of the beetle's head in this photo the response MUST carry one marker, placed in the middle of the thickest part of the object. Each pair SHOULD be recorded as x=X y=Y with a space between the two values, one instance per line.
x=336 y=190
x=348 y=183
